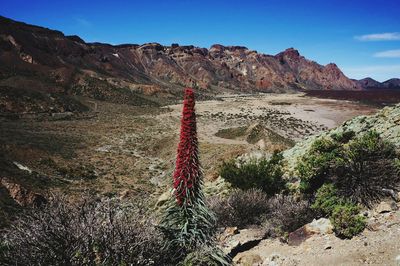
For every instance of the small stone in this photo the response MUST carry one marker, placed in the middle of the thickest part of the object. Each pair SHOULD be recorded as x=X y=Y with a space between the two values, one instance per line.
x=163 y=198
x=328 y=247
x=397 y=259
x=384 y=207
x=228 y=232
x=248 y=259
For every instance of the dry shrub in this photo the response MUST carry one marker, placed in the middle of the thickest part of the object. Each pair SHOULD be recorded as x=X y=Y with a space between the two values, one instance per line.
x=240 y=208
x=106 y=232
x=283 y=213
x=288 y=213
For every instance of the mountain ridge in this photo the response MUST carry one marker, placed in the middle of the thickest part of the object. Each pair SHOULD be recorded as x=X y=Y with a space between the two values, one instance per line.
x=47 y=61
x=371 y=84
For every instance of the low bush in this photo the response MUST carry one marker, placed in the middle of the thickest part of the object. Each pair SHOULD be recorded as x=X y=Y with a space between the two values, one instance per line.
x=105 y=232
x=281 y=213
x=265 y=174
x=343 y=213
x=361 y=168
x=288 y=213
x=346 y=220
x=314 y=168
x=368 y=168
x=326 y=199
x=240 y=208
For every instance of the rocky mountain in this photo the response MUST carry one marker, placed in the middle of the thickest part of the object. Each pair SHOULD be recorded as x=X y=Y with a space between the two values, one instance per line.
x=369 y=83
x=47 y=61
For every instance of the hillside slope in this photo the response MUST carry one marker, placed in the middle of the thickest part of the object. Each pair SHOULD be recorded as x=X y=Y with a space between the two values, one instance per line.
x=48 y=61
x=386 y=122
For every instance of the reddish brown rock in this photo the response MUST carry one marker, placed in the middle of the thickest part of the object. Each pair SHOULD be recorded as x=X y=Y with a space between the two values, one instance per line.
x=111 y=72
x=21 y=195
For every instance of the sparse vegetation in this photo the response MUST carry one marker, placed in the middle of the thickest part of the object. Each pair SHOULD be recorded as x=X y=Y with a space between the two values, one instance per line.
x=240 y=208
x=265 y=174
x=106 y=232
x=288 y=213
x=231 y=133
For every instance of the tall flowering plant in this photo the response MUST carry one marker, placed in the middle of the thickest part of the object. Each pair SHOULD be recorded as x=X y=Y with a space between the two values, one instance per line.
x=187 y=222
x=187 y=175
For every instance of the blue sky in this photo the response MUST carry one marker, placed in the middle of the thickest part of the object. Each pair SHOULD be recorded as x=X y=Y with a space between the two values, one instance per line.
x=361 y=37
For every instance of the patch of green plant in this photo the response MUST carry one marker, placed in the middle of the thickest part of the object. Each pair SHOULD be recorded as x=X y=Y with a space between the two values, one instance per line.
x=314 y=167
x=343 y=137
x=265 y=174
x=343 y=213
x=326 y=199
x=231 y=133
x=206 y=256
x=361 y=167
x=346 y=220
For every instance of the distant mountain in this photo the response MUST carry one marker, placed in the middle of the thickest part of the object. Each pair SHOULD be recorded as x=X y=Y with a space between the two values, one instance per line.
x=47 y=61
x=371 y=84
x=392 y=83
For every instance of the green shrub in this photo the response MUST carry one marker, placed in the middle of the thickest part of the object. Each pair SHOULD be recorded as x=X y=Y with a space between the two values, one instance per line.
x=326 y=199
x=367 y=168
x=265 y=174
x=346 y=220
x=313 y=169
x=343 y=214
x=343 y=137
x=361 y=168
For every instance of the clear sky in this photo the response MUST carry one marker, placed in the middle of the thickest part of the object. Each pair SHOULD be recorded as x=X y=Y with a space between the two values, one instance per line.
x=361 y=36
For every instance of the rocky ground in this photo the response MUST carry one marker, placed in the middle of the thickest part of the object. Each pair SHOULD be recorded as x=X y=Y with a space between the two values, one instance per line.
x=377 y=245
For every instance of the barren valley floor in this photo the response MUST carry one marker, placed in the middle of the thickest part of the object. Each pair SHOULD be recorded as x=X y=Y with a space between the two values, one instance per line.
x=126 y=149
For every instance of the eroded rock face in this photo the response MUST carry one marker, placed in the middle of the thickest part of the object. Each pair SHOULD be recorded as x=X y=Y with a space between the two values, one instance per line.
x=57 y=57
x=21 y=195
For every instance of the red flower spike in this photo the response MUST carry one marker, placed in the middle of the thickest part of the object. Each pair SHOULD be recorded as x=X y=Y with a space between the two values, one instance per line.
x=187 y=171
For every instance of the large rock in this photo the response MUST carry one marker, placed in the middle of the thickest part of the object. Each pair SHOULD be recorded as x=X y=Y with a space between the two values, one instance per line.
x=321 y=226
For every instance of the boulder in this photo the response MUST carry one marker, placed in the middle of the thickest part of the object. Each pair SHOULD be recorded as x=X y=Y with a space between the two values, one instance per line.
x=321 y=226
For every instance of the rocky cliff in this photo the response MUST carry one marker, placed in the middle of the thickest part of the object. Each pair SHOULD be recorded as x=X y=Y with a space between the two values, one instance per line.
x=46 y=60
